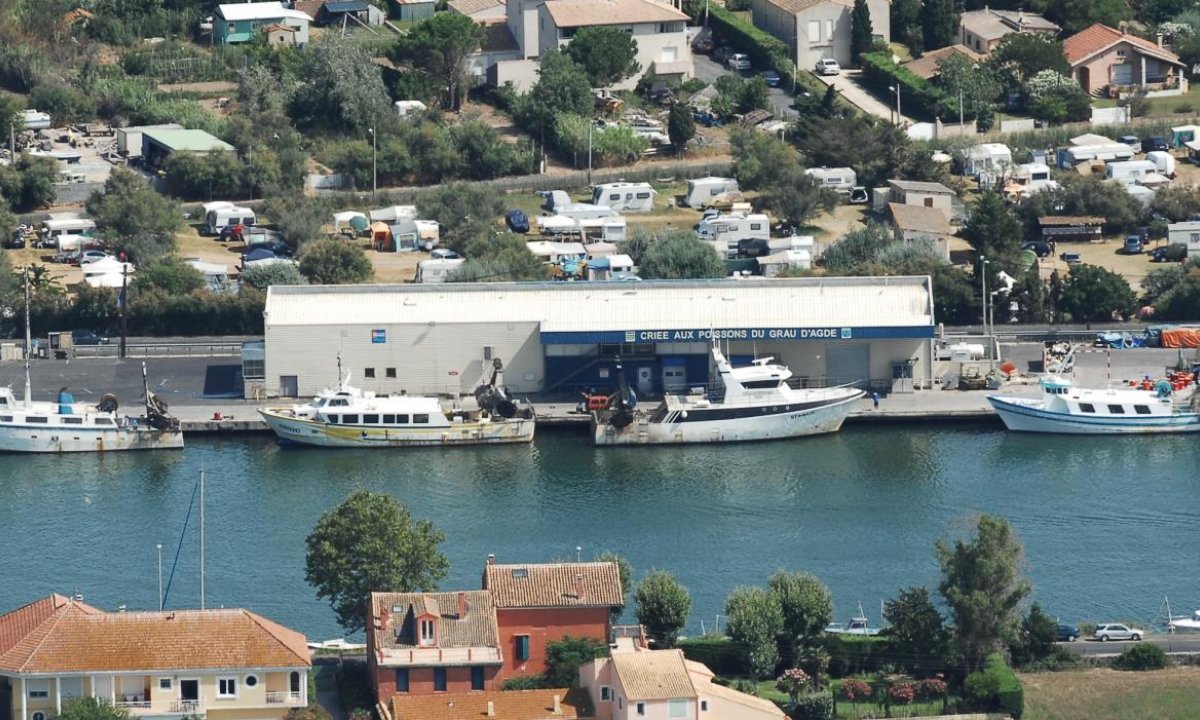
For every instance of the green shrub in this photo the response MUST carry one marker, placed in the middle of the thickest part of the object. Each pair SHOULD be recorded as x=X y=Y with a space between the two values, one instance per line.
x=1185 y=108
x=525 y=682
x=718 y=652
x=996 y=687
x=1143 y=656
x=918 y=96
x=817 y=706
x=354 y=687
x=856 y=654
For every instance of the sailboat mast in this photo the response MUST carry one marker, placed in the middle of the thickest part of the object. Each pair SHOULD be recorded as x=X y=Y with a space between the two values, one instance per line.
x=202 y=538
x=28 y=341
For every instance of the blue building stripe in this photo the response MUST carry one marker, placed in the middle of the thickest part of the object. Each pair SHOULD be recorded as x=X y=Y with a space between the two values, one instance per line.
x=794 y=334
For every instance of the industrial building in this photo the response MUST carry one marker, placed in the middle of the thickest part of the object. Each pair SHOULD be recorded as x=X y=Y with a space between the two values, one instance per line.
x=561 y=338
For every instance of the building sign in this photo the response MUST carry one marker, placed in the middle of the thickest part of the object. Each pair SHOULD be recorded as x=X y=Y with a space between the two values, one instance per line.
x=378 y=337
x=706 y=335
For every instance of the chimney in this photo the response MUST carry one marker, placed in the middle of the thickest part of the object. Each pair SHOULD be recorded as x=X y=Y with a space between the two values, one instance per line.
x=491 y=708
x=462 y=605
x=1158 y=39
x=491 y=559
x=557 y=704
x=383 y=618
x=579 y=586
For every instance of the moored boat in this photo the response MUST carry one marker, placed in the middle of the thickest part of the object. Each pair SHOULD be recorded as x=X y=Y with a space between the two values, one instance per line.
x=752 y=403
x=346 y=416
x=1064 y=408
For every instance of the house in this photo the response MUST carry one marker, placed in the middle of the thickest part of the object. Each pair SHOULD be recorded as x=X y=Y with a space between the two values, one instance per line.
x=1071 y=227
x=414 y=9
x=816 y=29
x=239 y=22
x=928 y=194
x=991 y=158
x=351 y=13
x=279 y=34
x=1187 y=233
x=543 y=603
x=484 y=11
x=220 y=664
x=1106 y=60
x=926 y=66
x=914 y=223
x=553 y=704
x=982 y=30
x=498 y=60
x=637 y=683
x=158 y=144
x=436 y=642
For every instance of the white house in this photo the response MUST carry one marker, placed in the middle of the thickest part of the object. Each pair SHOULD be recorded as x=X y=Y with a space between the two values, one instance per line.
x=816 y=29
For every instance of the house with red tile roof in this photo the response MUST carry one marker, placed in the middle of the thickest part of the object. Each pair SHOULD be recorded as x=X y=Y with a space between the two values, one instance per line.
x=216 y=664
x=554 y=704
x=1106 y=60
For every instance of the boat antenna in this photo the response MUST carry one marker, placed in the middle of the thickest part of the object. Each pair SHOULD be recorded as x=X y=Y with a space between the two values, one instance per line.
x=28 y=340
x=201 y=537
x=146 y=387
x=179 y=547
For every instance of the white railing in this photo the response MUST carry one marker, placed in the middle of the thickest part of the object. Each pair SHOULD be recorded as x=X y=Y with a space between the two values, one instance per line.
x=134 y=704
x=186 y=707
x=284 y=698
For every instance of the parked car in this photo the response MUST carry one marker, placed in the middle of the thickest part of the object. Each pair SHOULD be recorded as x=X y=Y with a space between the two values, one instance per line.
x=1071 y=258
x=63 y=258
x=88 y=337
x=16 y=241
x=828 y=66
x=1175 y=252
x=279 y=247
x=87 y=257
x=1066 y=633
x=1133 y=141
x=739 y=62
x=1155 y=143
x=517 y=221
x=1133 y=244
x=444 y=254
x=1041 y=248
x=1117 y=631
x=771 y=77
x=702 y=44
x=722 y=54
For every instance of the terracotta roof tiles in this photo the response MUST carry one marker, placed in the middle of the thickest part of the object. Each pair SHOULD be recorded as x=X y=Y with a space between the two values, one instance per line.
x=478 y=629
x=554 y=584
x=653 y=675
x=1094 y=40
x=926 y=66
x=507 y=705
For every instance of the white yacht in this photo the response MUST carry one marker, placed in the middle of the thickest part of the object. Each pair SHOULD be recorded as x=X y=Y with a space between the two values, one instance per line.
x=753 y=403
x=1191 y=624
x=346 y=416
x=1065 y=408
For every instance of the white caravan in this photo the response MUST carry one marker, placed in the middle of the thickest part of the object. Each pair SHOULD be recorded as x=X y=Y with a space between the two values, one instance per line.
x=724 y=231
x=840 y=179
x=624 y=196
x=219 y=215
x=437 y=271
x=702 y=191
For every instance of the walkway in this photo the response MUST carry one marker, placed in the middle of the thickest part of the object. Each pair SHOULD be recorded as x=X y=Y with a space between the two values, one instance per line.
x=849 y=85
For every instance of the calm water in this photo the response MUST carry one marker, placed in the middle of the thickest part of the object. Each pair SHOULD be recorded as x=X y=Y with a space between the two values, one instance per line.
x=1109 y=524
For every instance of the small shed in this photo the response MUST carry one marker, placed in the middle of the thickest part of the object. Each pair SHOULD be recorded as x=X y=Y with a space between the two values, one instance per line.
x=280 y=34
x=1184 y=134
x=408 y=108
x=927 y=194
x=413 y=9
x=1084 y=228
x=337 y=12
x=917 y=223
x=986 y=157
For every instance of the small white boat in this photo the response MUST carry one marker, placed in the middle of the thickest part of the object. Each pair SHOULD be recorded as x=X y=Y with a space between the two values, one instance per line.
x=337 y=644
x=1064 y=408
x=1191 y=624
x=754 y=403
x=346 y=416
x=858 y=625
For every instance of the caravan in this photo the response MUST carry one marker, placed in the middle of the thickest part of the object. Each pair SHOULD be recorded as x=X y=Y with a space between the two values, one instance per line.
x=702 y=191
x=219 y=215
x=67 y=224
x=724 y=231
x=609 y=229
x=1131 y=170
x=437 y=270
x=624 y=196
x=839 y=179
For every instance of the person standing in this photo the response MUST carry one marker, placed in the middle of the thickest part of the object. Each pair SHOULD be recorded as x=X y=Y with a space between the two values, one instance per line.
x=875 y=399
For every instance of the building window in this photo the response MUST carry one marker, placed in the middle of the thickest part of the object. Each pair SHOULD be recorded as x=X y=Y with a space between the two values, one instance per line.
x=1141 y=409
x=427 y=635
x=439 y=679
x=390 y=372
x=231 y=27
x=164 y=683
x=251 y=680
x=39 y=715
x=814 y=31
x=477 y=677
x=677 y=709
x=703 y=706
x=828 y=30
x=605 y=693
x=1116 y=409
x=226 y=687
x=522 y=647
x=369 y=373
x=38 y=688
x=401 y=680
x=1087 y=407
x=641 y=708
x=420 y=419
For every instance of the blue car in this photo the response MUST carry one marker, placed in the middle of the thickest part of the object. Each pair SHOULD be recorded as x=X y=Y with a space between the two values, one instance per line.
x=771 y=77
x=517 y=221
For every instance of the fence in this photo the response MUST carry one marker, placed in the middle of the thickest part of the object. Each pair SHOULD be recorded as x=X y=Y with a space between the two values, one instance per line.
x=76 y=193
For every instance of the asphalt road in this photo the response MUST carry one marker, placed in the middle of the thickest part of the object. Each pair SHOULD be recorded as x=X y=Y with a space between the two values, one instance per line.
x=780 y=100
x=179 y=380
x=848 y=86
x=1179 y=643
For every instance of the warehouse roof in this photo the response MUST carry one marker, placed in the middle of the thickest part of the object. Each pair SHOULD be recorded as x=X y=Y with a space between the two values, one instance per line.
x=186 y=140
x=600 y=307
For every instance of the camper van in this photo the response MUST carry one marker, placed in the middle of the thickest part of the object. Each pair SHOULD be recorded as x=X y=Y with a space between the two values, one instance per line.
x=840 y=179
x=724 y=231
x=437 y=271
x=624 y=196
x=1130 y=170
x=702 y=191
x=63 y=225
x=220 y=215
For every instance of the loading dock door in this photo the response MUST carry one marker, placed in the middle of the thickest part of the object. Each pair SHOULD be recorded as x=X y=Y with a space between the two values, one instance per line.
x=848 y=363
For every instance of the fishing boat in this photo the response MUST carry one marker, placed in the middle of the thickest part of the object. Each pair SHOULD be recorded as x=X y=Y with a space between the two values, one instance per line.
x=751 y=403
x=28 y=426
x=857 y=625
x=1165 y=406
x=346 y=416
x=1191 y=624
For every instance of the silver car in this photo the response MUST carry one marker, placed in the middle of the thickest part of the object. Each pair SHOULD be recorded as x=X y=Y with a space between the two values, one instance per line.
x=828 y=66
x=1117 y=631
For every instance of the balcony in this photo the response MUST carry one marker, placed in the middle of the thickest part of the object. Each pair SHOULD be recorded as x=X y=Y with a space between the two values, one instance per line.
x=285 y=698
x=138 y=708
x=402 y=657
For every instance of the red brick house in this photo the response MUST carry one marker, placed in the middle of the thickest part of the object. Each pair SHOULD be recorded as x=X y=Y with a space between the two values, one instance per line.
x=538 y=604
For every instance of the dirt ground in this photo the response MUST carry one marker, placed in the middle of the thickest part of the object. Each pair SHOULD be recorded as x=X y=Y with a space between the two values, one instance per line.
x=1113 y=695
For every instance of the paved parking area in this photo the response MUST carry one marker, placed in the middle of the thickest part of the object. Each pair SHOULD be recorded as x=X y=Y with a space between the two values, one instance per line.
x=848 y=84
x=780 y=100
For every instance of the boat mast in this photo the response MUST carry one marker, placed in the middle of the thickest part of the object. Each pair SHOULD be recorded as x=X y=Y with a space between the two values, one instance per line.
x=201 y=537
x=28 y=340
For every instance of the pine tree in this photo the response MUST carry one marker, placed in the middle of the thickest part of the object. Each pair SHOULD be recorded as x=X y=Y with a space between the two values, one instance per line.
x=906 y=23
x=939 y=20
x=862 y=36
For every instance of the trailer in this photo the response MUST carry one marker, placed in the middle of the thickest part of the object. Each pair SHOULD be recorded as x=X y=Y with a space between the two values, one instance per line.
x=609 y=229
x=1109 y=152
x=1163 y=161
x=839 y=179
x=724 y=231
x=702 y=191
x=437 y=271
x=57 y=225
x=625 y=196
x=218 y=216
x=1130 y=171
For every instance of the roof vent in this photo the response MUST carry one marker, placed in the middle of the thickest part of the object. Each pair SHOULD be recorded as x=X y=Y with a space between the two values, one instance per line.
x=520 y=572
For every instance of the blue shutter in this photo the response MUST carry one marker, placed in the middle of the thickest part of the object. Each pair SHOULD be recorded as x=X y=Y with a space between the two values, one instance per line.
x=522 y=647
x=439 y=679
x=401 y=680
x=477 y=677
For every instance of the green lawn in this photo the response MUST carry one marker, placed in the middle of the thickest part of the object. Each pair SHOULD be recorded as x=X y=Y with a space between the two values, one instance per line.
x=853 y=711
x=1163 y=105
x=1172 y=694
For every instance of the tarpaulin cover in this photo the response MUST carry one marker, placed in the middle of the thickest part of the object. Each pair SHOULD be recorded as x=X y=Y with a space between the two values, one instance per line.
x=1181 y=337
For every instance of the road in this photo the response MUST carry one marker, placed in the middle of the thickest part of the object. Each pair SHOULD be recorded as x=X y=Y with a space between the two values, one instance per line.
x=780 y=100
x=1188 y=644
x=849 y=86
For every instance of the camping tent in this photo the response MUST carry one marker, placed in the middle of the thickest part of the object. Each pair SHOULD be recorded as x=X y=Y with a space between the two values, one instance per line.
x=381 y=236
x=106 y=266
x=105 y=280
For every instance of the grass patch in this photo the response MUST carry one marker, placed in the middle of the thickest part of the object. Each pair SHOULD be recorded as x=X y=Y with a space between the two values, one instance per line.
x=1172 y=694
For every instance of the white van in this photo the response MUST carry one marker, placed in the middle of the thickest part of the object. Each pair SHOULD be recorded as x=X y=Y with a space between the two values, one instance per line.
x=218 y=218
x=56 y=226
x=702 y=191
x=437 y=271
x=624 y=196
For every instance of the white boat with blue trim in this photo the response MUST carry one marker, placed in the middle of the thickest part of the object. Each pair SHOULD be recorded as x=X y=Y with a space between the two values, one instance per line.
x=1065 y=408
x=753 y=403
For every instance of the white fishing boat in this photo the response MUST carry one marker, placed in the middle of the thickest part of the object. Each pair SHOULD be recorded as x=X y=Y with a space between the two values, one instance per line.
x=346 y=416
x=1191 y=624
x=752 y=403
x=858 y=625
x=1064 y=408
x=28 y=426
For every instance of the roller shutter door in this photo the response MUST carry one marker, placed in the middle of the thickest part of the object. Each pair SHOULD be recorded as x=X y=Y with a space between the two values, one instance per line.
x=848 y=362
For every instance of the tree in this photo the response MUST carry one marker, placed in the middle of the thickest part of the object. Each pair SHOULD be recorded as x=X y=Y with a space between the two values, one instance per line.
x=1019 y=56
x=906 y=23
x=862 y=36
x=1096 y=294
x=260 y=92
x=440 y=46
x=499 y=257
x=135 y=219
x=10 y=110
x=807 y=609
x=663 y=606
x=1035 y=640
x=625 y=573
x=760 y=160
x=917 y=630
x=1030 y=295
x=170 y=274
x=983 y=587
x=333 y=261
x=341 y=87
x=264 y=276
x=1075 y=15
x=296 y=217
x=1181 y=302
x=29 y=184
x=681 y=128
x=371 y=543
x=563 y=658
x=939 y=23
x=857 y=246
x=607 y=54
x=1080 y=195
x=994 y=231
x=976 y=82
x=954 y=301
x=1177 y=202
x=90 y=708
x=679 y=255
x=1055 y=300
x=465 y=211
x=481 y=150
x=798 y=198
x=755 y=620
x=562 y=87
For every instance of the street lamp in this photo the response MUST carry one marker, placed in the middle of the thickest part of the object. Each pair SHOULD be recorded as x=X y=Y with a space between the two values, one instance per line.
x=896 y=89
x=251 y=171
x=983 y=265
x=374 y=162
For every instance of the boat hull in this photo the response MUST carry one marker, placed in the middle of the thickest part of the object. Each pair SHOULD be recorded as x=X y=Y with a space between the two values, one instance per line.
x=34 y=439
x=1028 y=417
x=826 y=418
x=302 y=431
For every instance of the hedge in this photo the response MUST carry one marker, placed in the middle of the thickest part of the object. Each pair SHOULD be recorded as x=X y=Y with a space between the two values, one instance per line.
x=857 y=654
x=918 y=96
x=723 y=656
x=1010 y=696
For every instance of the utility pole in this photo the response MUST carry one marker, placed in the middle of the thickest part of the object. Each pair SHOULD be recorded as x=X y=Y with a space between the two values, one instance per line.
x=961 y=121
x=374 y=163
x=983 y=263
x=250 y=172
x=591 y=124
x=123 y=301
